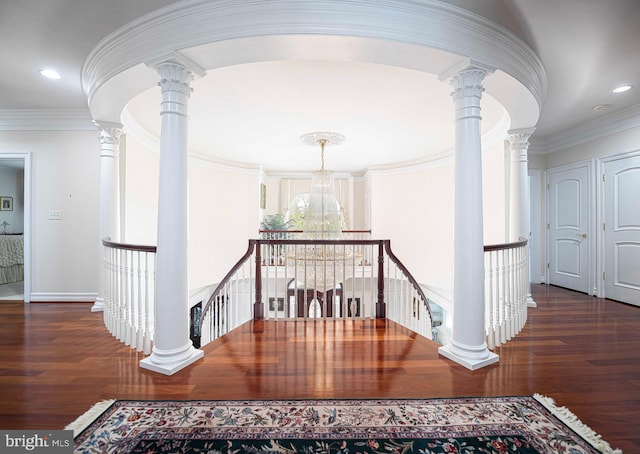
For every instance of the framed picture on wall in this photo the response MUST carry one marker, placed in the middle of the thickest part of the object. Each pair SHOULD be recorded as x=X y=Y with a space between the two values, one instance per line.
x=6 y=203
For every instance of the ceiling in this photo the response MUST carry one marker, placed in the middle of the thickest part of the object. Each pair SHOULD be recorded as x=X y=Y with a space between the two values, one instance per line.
x=255 y=113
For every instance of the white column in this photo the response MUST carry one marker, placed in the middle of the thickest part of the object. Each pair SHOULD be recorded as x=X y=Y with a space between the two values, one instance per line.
x=519 y=211
x=109 y=196
x=467 y=345
x=172 y=348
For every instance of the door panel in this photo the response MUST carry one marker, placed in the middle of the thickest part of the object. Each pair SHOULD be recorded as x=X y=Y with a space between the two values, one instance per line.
x=622 y=229
x=569 y=217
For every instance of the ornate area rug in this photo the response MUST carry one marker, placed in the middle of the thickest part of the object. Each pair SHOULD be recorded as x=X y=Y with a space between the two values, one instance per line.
x=459 y=425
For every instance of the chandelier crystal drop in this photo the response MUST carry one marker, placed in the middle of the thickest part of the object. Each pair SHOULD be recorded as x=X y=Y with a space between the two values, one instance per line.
x=323 y=219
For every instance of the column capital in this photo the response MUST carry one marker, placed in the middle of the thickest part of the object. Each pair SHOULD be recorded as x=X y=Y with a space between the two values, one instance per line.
x=109 y=135
x=177 y=59
x=109 y=132
x=519 y=143
x=519 y=138
x=175 y=77
x=176 y=72
x=464 y=65
x=467 y=83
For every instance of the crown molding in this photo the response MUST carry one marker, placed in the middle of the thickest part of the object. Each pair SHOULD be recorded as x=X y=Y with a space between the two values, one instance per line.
x=46 y=120
x=430 y=23
x=589 y=131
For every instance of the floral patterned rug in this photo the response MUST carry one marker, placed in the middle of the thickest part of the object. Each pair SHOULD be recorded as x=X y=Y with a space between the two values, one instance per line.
x=458 y=425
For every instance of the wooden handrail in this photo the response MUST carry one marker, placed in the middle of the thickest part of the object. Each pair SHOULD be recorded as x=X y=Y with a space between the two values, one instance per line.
x=302 y=231
x=320 y=242
x=239 y=263
x=129 y=247
x=410 y=277
x=500 y=247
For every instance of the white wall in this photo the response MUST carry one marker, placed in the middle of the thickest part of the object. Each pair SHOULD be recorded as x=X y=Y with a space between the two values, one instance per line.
x=223 y=211
x=414 y=209
x=12 y=185
x=140 y=199
x=495 y=166
x=65 y=177
x=619 y=143
x=223 y=216
x=611 y=145
x=281 y=190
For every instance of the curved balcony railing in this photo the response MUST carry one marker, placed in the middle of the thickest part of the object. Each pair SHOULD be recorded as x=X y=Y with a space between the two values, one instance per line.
x=129 y=293
x=284 y=279
x=506 y=288
x=313 y=279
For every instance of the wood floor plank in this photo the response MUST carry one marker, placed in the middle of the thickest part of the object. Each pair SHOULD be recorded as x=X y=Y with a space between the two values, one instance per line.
x=58 y=359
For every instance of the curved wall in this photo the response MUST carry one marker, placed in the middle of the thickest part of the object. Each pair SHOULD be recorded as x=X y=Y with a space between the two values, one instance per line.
x=223 y=211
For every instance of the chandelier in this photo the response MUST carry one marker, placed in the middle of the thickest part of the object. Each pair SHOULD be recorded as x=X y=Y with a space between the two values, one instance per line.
x=323 y=266
x=323 y=220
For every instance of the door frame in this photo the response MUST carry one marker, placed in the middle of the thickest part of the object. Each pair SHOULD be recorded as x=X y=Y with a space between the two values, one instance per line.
x=601 y=218
x=591 y=223
x=26 y=157
x=536 y=271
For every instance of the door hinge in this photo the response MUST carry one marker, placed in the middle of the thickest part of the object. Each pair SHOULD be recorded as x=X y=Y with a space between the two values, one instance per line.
x=547 y=265
x=604 y=177
x=604 y=276
x=604 y=226
x=548 y=186
x=548 y=226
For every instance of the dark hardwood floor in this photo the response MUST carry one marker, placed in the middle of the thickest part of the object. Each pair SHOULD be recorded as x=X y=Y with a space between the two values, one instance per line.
x=57 y=360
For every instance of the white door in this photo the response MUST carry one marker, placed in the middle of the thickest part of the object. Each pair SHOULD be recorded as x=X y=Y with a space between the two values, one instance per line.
x=569 y=232
x=622 y=229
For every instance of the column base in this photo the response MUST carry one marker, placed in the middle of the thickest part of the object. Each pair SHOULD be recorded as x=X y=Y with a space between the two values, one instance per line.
x=471 y=357
x=530 y=301
x=98 y=306
x=168 y=362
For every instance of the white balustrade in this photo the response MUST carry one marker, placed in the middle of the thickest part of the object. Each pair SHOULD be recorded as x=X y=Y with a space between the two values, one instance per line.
x=284 y=278
x=129 y=299
x=280 y=278
x=506 y=288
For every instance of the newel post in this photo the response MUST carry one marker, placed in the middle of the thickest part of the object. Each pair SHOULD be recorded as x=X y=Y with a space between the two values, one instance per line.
x=381 y=309
x=258 y=308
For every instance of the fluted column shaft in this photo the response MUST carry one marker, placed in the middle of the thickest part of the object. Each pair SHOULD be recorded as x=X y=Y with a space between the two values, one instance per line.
x=109 y=196
x=519 y=199
x=173 y=349
x=467 y=345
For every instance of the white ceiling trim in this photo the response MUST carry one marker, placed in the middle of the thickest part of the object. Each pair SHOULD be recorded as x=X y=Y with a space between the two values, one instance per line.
x=595 y=129
x=429 y=23
x=46 y=120
x=152 y=142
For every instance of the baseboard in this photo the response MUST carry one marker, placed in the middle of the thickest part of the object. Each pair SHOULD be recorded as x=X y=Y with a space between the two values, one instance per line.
x=63 y=297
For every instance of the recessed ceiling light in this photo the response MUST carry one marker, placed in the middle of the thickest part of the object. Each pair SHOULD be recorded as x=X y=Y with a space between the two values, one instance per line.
x=621 y=89
x=50 y=73
x=601 y=107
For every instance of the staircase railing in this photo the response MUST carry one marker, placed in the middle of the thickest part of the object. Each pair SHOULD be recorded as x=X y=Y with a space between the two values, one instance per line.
x=129 y=293
x=311 y=279
x=506 y=288
x=287 y=279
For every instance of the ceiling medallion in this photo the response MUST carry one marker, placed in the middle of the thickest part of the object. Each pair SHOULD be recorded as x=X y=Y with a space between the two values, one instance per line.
x=602 y=107
x=328 y=138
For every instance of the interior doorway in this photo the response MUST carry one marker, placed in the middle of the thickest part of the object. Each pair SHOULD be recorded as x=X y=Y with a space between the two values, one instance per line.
x=15 y=227
x=571 y=224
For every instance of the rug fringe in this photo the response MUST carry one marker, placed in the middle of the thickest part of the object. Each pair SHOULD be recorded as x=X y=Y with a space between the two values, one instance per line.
x=83 y=421
x=571 y=420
